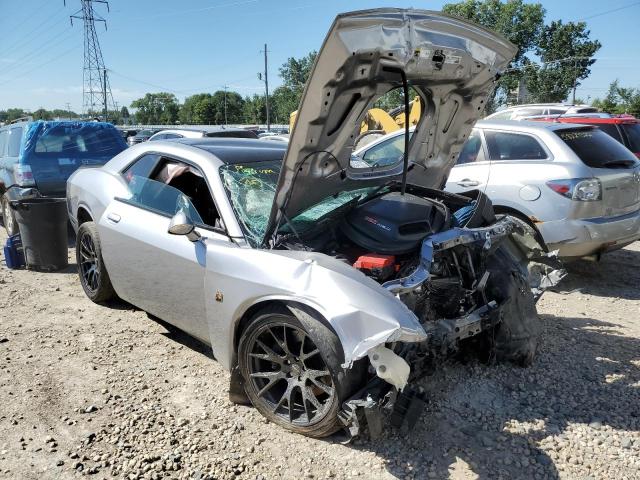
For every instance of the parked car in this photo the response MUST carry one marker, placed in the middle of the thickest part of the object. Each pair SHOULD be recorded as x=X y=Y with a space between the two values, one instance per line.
x=127 y=132
x=320 y=285
x=281 y=138
x=577 y=186
x=37 y=157
x=573 y=184
x=518 y=112
x=141 y=136
x=625 y=130
x=202 y=133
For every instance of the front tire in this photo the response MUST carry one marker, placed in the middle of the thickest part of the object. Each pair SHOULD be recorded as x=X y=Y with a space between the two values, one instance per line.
x=291 y=366
x=91 y=270
x=516 y=337
x=8 y=218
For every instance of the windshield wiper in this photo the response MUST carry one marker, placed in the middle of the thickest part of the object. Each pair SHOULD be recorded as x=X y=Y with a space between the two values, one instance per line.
x=619 y=163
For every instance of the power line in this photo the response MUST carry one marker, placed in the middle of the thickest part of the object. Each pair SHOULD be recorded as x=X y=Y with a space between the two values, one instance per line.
x=27 y=38
x=606 y=12
x=24 y=61
x=19 y=24
x=197 y=10
x=37 y=67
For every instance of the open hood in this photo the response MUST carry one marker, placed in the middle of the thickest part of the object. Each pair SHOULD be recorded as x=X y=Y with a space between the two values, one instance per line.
x=452 y=64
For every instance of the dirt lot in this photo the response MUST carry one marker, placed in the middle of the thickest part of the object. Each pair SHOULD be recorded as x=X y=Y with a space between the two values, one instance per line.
x=106 y=391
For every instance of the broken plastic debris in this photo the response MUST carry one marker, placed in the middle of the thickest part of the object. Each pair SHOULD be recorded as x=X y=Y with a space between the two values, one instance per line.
x=389 y=366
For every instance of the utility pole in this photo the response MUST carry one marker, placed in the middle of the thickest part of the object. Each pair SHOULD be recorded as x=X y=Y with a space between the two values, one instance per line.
x=266 y=85
x=96 y=89
x=225 y=104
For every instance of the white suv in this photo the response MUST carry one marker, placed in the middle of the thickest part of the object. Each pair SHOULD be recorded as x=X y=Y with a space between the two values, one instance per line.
x=518 y=112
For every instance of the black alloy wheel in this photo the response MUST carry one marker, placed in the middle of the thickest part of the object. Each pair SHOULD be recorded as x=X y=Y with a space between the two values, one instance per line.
x=290 y=367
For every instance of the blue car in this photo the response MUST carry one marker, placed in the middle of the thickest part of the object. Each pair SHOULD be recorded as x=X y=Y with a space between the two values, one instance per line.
x=37 y=157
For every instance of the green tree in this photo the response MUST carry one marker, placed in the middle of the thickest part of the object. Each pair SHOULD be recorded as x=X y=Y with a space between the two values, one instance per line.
x=294 y=74
x=620 y=100
x=60 y=113
x=255 y=111
x=197 y=109
x=566 y=53
x=295 y=71
x=283 y=101
x=12 y=114
x=205 y=108
x=157 y=108
x=521 y=23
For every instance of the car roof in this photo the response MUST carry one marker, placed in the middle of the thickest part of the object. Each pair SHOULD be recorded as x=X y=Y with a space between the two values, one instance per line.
x=526 y=125
x=598 y=120
x=238 y=150
x=558 y=104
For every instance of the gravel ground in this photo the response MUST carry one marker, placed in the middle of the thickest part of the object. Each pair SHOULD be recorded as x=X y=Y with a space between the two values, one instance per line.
x=109 y=392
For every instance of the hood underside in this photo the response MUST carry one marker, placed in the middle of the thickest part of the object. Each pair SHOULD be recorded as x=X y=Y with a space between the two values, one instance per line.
x=452 y=64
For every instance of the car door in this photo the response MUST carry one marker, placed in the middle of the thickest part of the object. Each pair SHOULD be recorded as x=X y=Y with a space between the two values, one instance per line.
x=160 y=273
x=472 y=167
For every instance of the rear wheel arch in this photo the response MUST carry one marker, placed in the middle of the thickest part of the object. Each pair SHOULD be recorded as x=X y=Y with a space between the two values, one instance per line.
x=504 y=210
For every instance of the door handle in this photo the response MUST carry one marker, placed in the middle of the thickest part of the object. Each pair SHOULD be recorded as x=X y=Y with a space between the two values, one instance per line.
x=114 y=217
x=466 y=182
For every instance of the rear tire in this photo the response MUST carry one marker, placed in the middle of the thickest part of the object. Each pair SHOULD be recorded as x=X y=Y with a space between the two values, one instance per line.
x=8 y=218
x=291 y=366
x=91 y=270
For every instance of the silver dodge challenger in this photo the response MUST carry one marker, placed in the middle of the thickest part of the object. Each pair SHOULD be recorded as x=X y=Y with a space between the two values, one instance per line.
x=324 y=286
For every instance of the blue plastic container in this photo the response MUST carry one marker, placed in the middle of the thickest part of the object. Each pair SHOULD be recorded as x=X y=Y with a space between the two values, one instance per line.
x=13 y=252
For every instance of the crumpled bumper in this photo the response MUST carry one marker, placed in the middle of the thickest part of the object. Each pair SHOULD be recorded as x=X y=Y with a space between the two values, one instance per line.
x=389 y=393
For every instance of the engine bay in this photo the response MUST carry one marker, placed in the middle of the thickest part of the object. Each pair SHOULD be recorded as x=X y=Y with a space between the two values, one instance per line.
x=384 y=237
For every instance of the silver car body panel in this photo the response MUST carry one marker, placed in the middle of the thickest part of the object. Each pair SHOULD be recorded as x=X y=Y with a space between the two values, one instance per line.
x=451 y=63
x=178 y=280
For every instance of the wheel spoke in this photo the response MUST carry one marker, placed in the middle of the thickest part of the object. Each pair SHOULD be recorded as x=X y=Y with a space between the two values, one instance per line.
x=325 y=388
x=266 y=357
x=269 y=385
x=308 y=396
x=317 y=373
x=269 y=375
x=275 y=357
x=305 y=356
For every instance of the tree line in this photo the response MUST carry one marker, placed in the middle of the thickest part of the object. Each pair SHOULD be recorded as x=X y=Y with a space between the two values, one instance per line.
x=552 y=59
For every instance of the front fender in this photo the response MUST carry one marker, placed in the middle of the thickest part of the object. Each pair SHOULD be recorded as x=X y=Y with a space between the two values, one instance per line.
x=360 y=311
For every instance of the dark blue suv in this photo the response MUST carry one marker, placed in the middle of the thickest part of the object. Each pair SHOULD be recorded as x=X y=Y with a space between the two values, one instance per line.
x=37 y=157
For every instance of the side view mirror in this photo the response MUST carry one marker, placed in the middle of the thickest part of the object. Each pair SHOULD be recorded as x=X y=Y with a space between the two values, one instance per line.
x=181 y=224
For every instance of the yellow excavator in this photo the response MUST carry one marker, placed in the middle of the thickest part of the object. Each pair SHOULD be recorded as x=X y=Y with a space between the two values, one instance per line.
x=379 y=121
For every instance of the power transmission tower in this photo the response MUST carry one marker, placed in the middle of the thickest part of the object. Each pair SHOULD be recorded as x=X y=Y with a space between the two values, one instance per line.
x=96 y=93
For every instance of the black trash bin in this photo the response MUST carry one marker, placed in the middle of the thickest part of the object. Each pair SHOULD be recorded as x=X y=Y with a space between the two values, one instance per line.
x=43 y=230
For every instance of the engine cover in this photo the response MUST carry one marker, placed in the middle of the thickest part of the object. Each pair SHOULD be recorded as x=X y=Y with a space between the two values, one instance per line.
x=393 y=223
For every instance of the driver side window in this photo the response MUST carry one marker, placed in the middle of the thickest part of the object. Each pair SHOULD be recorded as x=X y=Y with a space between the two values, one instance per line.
x=154 y=181
x=161 y=198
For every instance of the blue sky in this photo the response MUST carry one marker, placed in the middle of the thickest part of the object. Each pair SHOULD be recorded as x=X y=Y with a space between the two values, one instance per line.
x=196 y=46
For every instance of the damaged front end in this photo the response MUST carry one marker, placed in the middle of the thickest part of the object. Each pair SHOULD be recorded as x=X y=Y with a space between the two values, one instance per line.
x=466 y=284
